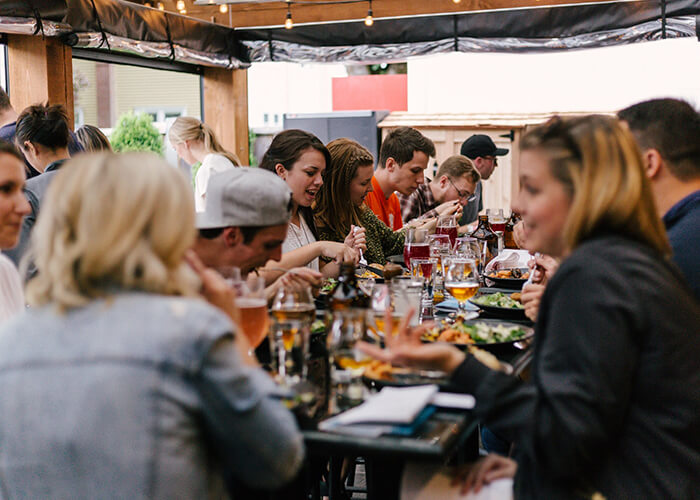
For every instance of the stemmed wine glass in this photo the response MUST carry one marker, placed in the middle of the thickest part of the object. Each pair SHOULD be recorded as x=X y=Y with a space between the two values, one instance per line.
x=462 y=280
x=293 y=311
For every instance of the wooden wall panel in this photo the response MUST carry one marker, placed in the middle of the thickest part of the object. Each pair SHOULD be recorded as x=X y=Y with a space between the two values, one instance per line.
x=40 y=71
x=226 y=108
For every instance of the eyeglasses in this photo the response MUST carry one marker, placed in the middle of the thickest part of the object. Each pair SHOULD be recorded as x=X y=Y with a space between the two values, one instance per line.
x=463 y=195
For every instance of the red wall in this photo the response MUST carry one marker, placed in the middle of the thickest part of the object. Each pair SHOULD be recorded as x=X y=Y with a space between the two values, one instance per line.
x=368 y=92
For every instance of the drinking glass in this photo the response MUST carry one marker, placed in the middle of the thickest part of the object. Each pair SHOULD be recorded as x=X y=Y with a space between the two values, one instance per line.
x=252 y=307
x=347 y=362
x=462 y=280
x=293 y=311
x=416 y=245
x=406 y=294
x=468 y=248
x=447 y=224
x=440 y=247
x=381 y=302
x=426 y=269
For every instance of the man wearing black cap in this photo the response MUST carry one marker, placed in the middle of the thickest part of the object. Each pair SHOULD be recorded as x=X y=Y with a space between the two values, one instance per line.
x=481 y=150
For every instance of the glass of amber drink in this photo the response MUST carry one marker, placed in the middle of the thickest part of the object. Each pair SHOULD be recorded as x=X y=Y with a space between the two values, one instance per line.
x=252 y=308
x=462 y=280
x=293 y=312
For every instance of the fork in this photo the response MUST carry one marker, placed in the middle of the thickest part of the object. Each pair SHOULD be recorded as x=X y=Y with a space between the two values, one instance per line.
x=363 y=261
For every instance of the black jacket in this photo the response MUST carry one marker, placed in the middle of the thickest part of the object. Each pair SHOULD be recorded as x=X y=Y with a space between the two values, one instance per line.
x=614 y=401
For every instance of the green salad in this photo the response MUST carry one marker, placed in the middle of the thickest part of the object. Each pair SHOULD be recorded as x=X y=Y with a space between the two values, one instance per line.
x=478 y=332
x=318 y=326
x=497 y=299
x=328 y=285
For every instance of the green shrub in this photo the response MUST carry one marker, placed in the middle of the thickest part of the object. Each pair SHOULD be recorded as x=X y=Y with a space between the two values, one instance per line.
x=136 y=133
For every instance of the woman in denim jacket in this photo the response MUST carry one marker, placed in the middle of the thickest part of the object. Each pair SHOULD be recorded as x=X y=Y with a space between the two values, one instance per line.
x=120 y=382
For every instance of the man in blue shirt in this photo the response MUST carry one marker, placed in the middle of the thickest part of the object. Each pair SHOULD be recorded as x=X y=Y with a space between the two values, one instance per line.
x=668 y=132
x=8 y=127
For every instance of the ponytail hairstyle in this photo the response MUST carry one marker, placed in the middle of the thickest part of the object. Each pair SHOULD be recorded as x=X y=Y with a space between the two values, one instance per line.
x=187 y=128
x=44 y=125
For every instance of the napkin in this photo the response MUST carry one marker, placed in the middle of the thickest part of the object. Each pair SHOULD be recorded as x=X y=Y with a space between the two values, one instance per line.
x=422 y=482
x=509 y=259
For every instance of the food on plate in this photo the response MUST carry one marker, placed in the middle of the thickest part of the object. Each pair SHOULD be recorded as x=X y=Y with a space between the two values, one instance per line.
x=379 y=370
x=318 y=326
x=497 y=299
x=391 y=270
x=509 y=274
x=328 y=285
x=366 y=273
x=478 y=332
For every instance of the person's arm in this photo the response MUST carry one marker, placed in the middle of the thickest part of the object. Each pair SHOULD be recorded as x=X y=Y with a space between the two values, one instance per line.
x=255 y=435
x=391 y=241
x=584 y=373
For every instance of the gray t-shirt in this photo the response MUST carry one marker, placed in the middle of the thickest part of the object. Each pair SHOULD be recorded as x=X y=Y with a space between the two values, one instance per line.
x=472 y=209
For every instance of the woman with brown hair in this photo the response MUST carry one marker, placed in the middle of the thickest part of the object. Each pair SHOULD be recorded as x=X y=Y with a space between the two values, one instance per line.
x=613 y=406
x=301 y=160
x=194 y=141
x=340 y=207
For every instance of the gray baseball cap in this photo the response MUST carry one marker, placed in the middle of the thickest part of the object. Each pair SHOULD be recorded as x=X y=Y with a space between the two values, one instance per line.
x=245 y=196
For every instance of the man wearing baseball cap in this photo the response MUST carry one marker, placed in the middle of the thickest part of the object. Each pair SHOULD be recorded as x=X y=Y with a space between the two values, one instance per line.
x=245 y=219
x=481 y=150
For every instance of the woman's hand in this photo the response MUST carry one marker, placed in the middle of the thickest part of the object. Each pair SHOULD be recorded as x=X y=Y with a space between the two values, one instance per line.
x=219 y=294
x=297 y=277
x=214 y=287
x=543 y=267
x=356 y=238
x=339 y=252
x=530 y=298
x=520 y=235
x=406 y=348
x=484 y=471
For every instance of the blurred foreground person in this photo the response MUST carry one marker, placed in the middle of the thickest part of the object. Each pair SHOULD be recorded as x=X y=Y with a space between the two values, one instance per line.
x=13 y=208
x=613 y=406
x=121 y=382
x=668 y=132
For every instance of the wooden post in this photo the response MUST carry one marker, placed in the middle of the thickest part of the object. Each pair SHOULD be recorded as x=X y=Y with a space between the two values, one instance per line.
x=40 y=71
x=226 y=108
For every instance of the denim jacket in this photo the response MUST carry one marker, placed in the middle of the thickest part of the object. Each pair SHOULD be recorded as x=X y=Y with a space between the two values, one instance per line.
x=135 y=396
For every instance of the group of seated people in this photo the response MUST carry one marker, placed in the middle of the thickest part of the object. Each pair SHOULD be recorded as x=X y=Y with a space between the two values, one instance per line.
x=119 y=380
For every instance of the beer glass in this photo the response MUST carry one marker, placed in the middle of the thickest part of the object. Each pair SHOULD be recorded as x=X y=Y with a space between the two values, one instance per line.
x=252 y=308
x=293 y=312
x=416 y=245
x=462 y=280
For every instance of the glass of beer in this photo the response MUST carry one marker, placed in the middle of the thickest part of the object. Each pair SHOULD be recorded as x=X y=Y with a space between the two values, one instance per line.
x=381 y=302
x=462 y=280
x=252 y=308
x=293 y=312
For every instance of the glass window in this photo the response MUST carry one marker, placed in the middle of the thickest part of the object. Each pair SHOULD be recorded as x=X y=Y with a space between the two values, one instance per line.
x=103 y=92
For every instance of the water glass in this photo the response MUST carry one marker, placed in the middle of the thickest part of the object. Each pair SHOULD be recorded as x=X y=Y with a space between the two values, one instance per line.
x=406 y=294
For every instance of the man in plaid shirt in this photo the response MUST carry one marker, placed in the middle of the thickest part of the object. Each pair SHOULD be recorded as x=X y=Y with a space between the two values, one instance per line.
x=452 y=188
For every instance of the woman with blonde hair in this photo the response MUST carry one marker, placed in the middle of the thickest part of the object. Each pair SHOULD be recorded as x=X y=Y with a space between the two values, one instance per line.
x=123 y=381
x=194 y=142
x=92 y=139
x=613 y=407
x=339 y=206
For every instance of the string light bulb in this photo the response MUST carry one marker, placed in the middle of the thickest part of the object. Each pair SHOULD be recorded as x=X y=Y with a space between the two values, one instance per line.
x=288 y=21
x=456 y=1
x=180 y=5
x=161 y=6
x=147 y=4
x=368 y=20
x=223 y=8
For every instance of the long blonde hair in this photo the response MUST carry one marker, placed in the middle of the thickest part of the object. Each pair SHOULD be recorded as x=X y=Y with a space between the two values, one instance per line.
x=187 y=128
x=113 y=222
x=599 y=163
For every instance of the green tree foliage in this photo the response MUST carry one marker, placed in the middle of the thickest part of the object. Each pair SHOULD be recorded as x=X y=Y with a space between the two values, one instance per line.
x=136 y=133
